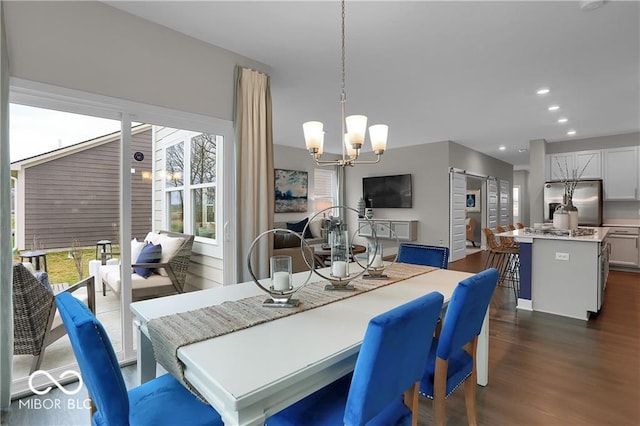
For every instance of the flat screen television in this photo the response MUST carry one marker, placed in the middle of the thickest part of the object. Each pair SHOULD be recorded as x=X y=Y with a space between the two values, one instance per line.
x=387 y=191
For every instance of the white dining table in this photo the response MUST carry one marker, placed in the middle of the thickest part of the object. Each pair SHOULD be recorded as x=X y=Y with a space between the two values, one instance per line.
x=251 y=374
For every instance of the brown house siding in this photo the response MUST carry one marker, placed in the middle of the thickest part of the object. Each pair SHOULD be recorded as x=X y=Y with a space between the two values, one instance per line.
x=76 y=197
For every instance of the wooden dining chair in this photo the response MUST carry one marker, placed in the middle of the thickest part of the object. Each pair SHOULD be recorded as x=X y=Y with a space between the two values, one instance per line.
x=452 y=358
x=161 y=401
x=391 y=362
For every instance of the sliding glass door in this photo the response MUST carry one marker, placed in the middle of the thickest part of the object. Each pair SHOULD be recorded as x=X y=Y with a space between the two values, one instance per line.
x=114 y=180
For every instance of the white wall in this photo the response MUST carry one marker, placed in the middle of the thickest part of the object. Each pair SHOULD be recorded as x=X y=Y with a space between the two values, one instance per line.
x=92 y=47
x=6 y=310
x=476 y=162
x=429 y=166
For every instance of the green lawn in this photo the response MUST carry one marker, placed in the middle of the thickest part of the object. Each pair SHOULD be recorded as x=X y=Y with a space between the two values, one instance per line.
x=62 y=268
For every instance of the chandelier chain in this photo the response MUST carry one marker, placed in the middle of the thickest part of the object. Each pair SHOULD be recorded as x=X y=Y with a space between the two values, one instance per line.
x=343 y=94
x=314 y=133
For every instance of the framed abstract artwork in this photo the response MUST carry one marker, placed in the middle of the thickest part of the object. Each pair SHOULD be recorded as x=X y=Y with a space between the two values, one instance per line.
x=472 y=200
x=291 y=190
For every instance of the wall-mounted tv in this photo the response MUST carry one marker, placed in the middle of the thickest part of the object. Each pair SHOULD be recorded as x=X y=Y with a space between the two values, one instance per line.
x=387 y=191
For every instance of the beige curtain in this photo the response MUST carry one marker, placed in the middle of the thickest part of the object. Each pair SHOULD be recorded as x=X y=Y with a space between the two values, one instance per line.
x=254 y=170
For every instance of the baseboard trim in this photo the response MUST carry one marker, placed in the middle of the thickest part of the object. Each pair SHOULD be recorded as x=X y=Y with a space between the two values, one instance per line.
x=525 y=304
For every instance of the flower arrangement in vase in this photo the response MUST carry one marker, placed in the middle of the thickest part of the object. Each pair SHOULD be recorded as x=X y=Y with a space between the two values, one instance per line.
x=570 y=179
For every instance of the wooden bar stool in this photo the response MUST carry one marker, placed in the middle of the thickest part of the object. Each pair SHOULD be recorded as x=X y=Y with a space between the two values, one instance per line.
x=506 y=259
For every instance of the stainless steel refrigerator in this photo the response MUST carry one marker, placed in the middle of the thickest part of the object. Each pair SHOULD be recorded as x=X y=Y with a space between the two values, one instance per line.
x=587 y=197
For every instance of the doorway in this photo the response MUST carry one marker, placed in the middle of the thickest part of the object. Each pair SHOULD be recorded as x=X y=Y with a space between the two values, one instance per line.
x=476 y=190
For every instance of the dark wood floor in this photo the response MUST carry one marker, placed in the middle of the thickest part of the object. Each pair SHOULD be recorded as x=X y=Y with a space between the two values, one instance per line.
x=543 y=369
x=548 y=370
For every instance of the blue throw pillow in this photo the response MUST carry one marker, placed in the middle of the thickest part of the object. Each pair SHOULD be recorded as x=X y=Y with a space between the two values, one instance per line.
x=299 y=227
x=149 y=254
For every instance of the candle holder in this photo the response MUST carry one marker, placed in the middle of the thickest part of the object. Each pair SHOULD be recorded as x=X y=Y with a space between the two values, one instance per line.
x=281 y=289
x=341 y=250
x=375 y=255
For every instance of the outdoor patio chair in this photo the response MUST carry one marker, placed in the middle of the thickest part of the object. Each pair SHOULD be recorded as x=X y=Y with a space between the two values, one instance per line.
x=160 y=266
x=36 y=321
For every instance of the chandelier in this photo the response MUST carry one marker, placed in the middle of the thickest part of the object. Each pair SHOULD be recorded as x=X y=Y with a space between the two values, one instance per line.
x=354 y=136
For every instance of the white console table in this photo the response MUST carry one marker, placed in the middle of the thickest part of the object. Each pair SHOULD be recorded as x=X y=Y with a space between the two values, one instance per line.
x=405 y=230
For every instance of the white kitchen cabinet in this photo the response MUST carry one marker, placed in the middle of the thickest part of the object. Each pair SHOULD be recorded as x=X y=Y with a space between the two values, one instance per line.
x=621 y=173
x=405 y=230
x=558 y=163
x=624 y=246
x=587 y=162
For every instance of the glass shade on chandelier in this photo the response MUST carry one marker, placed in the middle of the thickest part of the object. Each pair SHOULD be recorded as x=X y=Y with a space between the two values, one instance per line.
x=353 y=139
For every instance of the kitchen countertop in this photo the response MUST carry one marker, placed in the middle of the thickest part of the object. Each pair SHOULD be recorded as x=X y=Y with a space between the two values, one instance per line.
x=634 y=223
x=527 y=237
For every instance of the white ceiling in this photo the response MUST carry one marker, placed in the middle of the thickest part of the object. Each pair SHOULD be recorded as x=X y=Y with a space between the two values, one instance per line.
x=461 y=71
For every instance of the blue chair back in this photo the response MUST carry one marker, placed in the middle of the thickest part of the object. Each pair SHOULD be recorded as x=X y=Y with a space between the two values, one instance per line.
x=466 y=311
x=420 y=254
x=98 y=363
x=392 y=358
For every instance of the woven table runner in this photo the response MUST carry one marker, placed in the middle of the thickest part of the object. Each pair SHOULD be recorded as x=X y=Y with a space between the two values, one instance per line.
x=171 y=332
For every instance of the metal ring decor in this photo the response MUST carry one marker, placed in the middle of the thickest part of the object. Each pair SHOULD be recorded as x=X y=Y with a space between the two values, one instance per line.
x=376 y=272
x=337 y=282
x=280 y=298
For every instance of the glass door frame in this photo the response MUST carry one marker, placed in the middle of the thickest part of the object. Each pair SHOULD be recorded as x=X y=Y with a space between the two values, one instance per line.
x=56 y=98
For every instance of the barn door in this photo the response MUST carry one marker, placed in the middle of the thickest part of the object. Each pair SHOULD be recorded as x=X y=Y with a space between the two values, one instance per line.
x=505 y=210
x=492 y=203
x=457 y=239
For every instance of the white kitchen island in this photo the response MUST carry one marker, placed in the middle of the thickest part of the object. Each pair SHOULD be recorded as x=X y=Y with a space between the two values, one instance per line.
x=562 y=274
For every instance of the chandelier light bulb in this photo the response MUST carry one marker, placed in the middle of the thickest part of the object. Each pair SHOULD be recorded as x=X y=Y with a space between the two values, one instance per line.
x=378 y=134
x=313 y=134
x=356 y=129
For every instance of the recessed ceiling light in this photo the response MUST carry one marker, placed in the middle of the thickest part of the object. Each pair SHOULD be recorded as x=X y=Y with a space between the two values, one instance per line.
x=588 y=5
x=562 y=120
x=502 y=148
x=571 y=132
x=554 y=108
x=522 y=150
x=543 y=91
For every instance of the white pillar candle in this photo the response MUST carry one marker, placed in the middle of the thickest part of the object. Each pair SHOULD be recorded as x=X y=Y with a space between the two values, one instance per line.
x=376 y=262
x=281 y=281
x=339 y=269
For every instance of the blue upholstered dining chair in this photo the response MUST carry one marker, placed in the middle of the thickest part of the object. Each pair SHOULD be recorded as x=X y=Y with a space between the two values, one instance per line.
x=161 y=401
x=420 y=254
x=391 y=361
x=452 y=359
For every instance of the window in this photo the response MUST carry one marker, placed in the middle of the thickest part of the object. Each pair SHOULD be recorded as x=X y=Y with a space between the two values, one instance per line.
x=191 y=171
x=174 y=173
x=324 y=189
